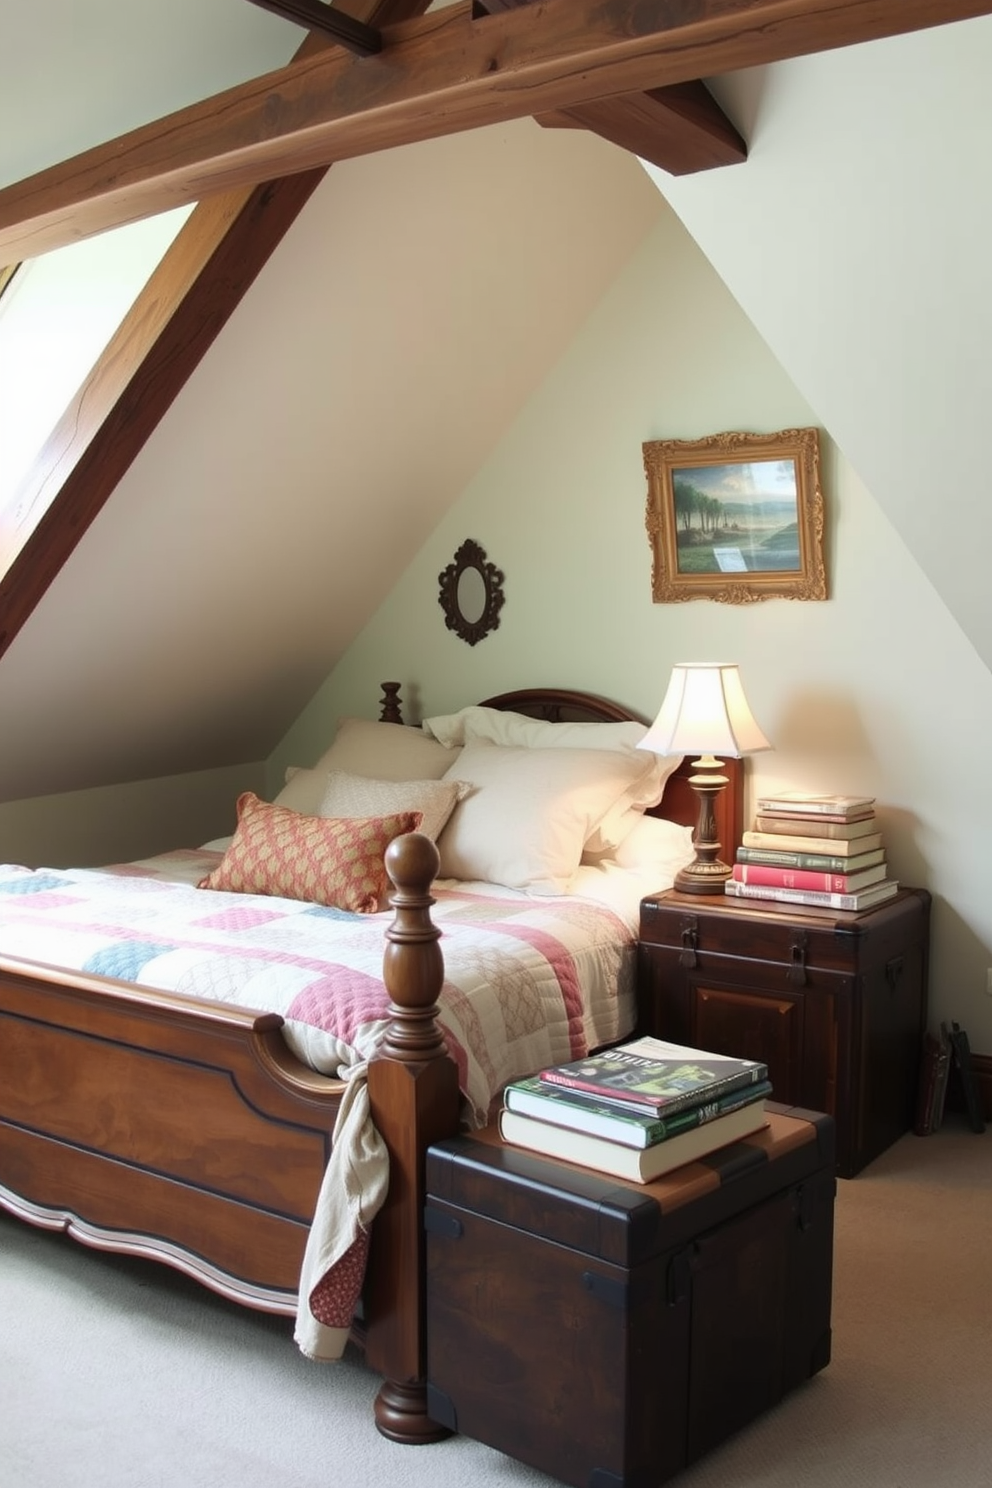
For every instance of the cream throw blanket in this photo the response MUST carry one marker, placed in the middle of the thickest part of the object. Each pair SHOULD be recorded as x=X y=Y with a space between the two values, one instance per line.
x=351 y=1194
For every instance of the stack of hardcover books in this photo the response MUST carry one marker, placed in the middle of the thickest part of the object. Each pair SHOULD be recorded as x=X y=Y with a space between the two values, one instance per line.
x=637 y=1111
x=820 y=850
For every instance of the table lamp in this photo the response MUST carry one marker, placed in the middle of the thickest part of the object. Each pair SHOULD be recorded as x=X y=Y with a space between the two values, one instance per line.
x=705 y=713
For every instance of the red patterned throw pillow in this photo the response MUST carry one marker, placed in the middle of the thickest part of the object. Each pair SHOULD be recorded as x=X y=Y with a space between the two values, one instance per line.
x=326 y=860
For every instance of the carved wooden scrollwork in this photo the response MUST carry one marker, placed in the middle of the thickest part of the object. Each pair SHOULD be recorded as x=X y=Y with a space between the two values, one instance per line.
x=471 y=593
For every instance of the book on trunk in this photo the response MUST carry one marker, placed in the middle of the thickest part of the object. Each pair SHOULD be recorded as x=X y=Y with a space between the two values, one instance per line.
x=657 y=1077
x=808 y=878
x=814 y=899
x=800 y=842
x=817 y=862
x=637 y=1164
x=807 y=803
x=815 y=826
x=580 y=1111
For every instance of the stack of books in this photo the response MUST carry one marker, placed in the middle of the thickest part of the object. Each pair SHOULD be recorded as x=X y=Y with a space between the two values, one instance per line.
x=820 y=850
x=637 y=1111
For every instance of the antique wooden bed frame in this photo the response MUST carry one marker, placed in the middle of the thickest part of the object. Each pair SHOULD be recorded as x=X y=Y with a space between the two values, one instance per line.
x=156 y=1125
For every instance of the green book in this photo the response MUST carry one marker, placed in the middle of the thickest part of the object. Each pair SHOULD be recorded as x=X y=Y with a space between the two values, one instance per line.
x=582 y=1112
x=814 y=862
x=656 y=1077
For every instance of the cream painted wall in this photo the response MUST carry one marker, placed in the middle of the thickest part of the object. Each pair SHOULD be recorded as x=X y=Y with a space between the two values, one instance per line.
x=870 y=691
x=119 y=823
x=856 y=238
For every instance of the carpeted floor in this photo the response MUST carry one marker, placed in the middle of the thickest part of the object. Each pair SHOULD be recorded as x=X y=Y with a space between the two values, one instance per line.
x=119 y=1374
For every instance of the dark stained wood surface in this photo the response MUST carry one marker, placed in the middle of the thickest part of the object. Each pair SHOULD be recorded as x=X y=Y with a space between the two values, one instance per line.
x=440 y=74
x=680 y=129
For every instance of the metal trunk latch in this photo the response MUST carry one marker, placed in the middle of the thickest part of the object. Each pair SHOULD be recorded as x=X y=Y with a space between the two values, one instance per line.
x=690 y=939
x=796 y=971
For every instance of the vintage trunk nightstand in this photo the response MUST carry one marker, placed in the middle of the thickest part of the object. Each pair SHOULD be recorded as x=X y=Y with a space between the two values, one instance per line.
x=834 y=1003
x=610 y=1333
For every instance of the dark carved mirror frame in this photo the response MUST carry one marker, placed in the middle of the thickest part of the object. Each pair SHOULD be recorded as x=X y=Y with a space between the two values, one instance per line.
x=471 y=628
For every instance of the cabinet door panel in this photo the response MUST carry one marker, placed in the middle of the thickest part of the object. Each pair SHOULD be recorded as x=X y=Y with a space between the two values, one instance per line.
x=752 y=1025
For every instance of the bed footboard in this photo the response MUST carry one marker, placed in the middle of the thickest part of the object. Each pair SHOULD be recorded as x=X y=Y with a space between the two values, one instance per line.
x=151 y=1124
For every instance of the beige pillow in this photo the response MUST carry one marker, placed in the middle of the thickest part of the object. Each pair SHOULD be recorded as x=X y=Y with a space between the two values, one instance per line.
x=385 y=751
x=355 y=795
x=303 y=791
x=525 y=823
x=475 y=724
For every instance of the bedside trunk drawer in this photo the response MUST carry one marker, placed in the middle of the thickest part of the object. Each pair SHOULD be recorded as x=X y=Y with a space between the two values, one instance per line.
x=835 y=1004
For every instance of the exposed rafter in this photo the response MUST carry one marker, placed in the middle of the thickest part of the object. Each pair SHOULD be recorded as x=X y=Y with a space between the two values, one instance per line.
x=441 y=74
x=201 y=280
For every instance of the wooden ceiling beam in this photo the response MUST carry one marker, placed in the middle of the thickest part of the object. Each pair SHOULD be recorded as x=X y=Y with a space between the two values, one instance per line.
x=440 y=74
x=681 y=129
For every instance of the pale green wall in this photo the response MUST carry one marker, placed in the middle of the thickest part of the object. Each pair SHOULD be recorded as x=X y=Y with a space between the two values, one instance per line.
x=871 y=691
x=117 y=823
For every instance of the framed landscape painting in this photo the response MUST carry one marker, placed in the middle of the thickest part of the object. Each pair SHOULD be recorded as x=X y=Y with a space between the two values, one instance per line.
x=736 y=517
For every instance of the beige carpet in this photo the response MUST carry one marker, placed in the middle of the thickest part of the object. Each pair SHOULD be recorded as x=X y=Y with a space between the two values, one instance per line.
x=117 y=1374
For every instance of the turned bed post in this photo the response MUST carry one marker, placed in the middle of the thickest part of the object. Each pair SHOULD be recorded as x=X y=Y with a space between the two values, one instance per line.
x=413 y=1090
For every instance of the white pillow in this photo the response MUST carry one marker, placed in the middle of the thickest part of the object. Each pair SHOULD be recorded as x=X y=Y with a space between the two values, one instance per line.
x=354 y=795
x=526 y=822
x=516 y=730
x=655 y=846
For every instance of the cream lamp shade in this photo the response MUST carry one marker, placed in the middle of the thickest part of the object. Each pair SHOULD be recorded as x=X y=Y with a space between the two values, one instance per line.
x=705 y=713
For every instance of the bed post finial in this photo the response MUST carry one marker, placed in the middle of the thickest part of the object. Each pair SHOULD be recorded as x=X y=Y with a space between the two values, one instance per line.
x=391 y=707
x=412 y=966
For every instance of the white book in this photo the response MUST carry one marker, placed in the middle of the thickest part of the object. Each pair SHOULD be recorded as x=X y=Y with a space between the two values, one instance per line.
x=809 y=803
x=815 y=898
x=637 y=1164
x=838 y=847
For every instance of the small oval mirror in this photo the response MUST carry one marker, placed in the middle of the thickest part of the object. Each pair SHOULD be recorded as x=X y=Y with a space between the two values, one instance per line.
x=471 y=594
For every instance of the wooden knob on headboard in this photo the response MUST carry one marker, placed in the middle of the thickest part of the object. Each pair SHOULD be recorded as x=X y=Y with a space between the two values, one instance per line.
x=390 y=709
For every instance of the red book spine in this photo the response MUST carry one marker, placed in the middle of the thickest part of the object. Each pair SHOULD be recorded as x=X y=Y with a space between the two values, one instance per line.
x=791 y=878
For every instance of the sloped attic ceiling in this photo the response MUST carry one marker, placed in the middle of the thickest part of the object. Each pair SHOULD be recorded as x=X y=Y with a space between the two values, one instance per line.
x=403 y=321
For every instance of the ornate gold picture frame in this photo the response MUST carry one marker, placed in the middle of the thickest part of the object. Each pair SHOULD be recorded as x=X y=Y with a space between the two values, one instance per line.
x=736 y=517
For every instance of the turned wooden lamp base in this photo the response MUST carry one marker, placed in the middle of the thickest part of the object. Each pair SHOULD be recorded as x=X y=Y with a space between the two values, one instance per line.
x=707 y=873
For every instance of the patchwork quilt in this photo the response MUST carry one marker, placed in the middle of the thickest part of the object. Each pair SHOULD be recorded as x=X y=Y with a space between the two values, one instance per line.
x=528 y=981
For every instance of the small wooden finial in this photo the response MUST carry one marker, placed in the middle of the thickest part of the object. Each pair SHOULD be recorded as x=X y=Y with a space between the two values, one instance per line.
x=391 y=708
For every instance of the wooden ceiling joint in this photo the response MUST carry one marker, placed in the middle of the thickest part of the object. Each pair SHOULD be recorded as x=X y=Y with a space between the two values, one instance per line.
x=359 y=37
x=680 y=129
